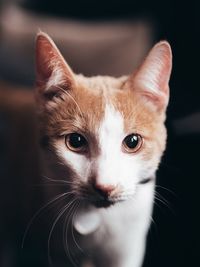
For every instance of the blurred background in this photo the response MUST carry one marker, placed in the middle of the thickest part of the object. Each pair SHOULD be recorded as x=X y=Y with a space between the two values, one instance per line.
x=100 y=37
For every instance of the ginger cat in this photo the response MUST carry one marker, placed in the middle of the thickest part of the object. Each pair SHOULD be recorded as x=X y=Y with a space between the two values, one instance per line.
x=103 y=139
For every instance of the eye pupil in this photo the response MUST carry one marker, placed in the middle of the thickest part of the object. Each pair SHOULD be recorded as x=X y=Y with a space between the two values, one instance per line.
x=75 y=141
x=132 y=142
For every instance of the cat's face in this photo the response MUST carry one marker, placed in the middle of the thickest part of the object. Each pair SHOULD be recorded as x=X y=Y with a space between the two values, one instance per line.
x=108 y=132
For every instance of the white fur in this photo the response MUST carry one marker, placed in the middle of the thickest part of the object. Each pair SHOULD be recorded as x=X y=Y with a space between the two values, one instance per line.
x=114 y=167
x=79 y=163
x=150 y=78
x=56 y=78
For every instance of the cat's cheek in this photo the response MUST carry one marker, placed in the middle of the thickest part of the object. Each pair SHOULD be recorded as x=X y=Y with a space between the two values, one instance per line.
x=135 y=169
x=130 y=171
x=78 y=163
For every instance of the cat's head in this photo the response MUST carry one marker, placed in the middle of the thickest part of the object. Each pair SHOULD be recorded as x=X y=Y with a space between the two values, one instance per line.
x=108 y=132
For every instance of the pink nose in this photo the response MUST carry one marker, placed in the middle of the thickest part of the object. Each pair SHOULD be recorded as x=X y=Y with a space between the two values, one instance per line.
x=104 y=190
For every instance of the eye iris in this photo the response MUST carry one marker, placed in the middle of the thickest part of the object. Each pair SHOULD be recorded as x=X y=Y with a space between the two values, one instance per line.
x=75 y=141
x=132 y=142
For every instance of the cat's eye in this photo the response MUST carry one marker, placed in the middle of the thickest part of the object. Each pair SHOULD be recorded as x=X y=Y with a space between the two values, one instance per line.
x=132 y=143
x=76 y=142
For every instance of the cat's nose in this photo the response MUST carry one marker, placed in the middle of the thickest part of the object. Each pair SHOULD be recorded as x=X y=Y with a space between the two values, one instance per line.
x=104 y=190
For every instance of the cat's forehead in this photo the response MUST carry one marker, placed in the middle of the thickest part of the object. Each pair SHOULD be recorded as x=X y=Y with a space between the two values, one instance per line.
x=97 y=95
x=95 y=99
x=101 y=83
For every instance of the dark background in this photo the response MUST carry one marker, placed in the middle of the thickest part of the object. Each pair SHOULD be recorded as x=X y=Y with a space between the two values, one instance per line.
x=174 y=238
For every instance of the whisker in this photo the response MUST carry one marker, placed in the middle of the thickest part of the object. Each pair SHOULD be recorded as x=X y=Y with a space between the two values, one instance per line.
x=61 y=181
x=155 y=203
x=164 y=202
x=161 y=201
x=50 y=185
x=166 y=189
x=72 y=228
x=58 y=197
x=73 y=236
x=65 y=234
x=161 y=198
x=154 y=231
x=63 y=210
x=154 y=224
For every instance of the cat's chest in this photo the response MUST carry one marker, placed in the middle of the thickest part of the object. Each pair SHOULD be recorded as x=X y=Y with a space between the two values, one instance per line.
x=98 y=224
x=102 y=230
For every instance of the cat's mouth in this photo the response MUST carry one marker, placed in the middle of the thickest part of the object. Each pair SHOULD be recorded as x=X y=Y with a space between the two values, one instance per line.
x=100 y=200
x=107 y=201
x=104 y=203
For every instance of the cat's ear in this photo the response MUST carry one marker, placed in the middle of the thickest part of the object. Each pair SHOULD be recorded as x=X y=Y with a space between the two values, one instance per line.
x=52 y=72
x=151 y=80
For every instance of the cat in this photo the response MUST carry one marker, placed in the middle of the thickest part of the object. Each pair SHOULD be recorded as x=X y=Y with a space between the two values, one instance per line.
x=102 y=138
